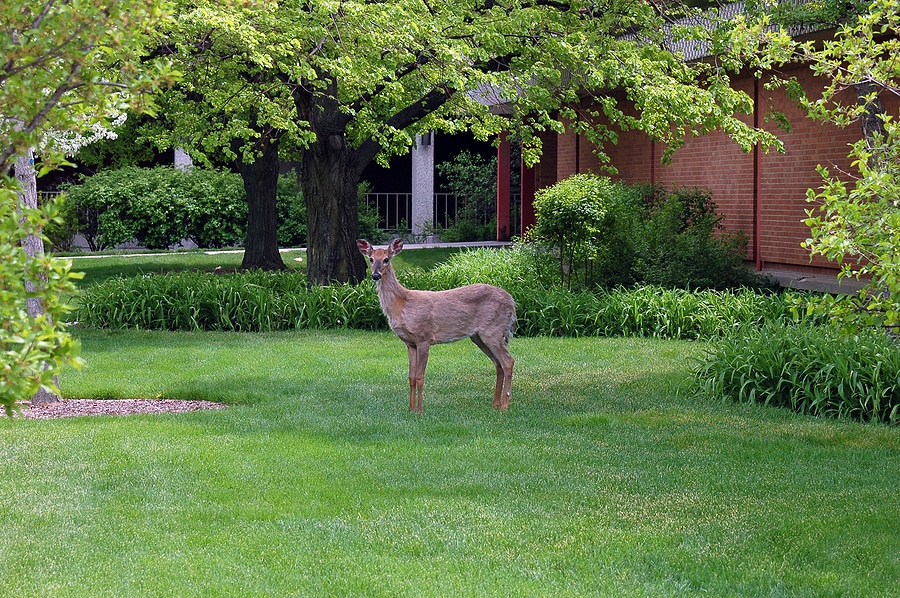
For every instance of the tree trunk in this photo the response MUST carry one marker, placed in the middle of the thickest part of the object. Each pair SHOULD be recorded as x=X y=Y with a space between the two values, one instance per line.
x=330 y=182
x=261 y=184
x=871 y=120
x=34 y=247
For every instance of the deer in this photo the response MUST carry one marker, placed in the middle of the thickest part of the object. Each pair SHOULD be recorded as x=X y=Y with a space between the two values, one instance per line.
x=482 y=312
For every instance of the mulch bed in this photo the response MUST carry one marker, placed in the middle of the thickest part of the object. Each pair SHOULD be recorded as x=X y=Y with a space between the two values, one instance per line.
x=82 y=407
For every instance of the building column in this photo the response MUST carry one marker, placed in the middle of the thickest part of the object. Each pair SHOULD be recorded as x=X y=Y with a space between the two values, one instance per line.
x=182 y=159
x=526 y=209
x=422 y=183
x=503 y=189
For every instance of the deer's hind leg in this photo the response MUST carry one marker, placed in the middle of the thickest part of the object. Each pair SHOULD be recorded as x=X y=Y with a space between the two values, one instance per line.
x=503 y=363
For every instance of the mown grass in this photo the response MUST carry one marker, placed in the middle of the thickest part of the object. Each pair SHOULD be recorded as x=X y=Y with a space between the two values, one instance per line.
x=605 y=477
x=97 y=268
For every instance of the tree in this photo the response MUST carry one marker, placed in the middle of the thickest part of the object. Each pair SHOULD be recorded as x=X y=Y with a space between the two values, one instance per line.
x=65 y=67
x=855 y=220
x=344 y=83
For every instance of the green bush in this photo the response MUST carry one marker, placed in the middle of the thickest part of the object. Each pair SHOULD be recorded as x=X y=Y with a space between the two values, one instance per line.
x=291 y=208
x=574 y=216
x=159 y=207
x=812 y=369
x=252 y=301
x=473 y=180
x=679 y=241
x=608 y=234
x=520 y=267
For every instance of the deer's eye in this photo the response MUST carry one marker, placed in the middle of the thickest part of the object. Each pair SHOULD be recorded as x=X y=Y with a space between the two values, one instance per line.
x=385 y=261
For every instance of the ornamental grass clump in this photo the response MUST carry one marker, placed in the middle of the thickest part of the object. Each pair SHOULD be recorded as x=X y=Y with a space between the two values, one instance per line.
x=254 y=301
x=261 y=301
x=812 y=369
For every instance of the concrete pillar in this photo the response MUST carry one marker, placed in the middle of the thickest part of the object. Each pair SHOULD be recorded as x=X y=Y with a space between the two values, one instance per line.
x=422 y=183
x=182 y=159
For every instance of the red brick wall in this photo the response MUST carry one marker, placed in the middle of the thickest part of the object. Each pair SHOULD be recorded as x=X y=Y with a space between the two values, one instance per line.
x=716 y=163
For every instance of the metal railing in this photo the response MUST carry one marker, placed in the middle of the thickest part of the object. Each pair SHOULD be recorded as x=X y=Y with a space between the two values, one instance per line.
x=395 y=210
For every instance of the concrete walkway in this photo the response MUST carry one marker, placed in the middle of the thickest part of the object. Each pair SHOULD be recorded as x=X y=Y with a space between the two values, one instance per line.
x=826 y=283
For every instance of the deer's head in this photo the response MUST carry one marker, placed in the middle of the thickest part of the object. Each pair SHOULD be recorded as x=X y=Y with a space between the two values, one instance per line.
x=380 y=259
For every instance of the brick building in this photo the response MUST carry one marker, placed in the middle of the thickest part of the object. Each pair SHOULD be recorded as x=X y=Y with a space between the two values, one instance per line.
x=761 y=194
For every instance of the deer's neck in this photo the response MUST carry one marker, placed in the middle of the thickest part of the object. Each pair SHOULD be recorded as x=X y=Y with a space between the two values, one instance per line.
x=392 y=296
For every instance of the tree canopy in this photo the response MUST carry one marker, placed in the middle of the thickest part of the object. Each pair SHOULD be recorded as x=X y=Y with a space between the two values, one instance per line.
x=342 y=83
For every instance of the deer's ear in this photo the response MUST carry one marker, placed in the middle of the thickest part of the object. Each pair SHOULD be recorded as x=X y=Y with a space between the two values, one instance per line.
x=364 y=246
x=396 y=246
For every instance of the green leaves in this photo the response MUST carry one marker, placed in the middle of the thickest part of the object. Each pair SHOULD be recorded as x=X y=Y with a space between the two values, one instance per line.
x=33 y=348
x=70 y=65
x=159 y=207
x=282 y=301
x=815 y=370
x=256 y=301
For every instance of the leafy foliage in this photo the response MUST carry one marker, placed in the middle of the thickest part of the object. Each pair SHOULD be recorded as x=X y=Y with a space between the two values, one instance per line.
x=291 y=212
x=574 y=216
x=473 y=180
x=277 y=301
x=159 y=207
x=369 y=76
x=678 y=241
x=607 y=234
x=857 y=224
x=816 y=370
x=33 y=348
x=69 y=69
x=252 y=301
x=855 y=219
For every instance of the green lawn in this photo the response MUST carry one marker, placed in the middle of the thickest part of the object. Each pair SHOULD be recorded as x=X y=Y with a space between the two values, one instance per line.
x=97 y=268
x=605 y=477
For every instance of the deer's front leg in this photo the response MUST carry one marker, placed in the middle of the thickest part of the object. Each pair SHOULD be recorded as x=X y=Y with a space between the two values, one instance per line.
x=411 y=351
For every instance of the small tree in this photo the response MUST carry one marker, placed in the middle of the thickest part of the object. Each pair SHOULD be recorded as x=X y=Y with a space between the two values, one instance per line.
x=66 y=68
x=473 y=180
x=572 y=216
x=33 y=339
x=857 y=222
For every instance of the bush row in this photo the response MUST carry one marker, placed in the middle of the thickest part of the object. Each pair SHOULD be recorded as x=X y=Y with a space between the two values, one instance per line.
x=815 y=370
x=249 y=302
x=262 y=301
x=160 y=207
x=767 y=348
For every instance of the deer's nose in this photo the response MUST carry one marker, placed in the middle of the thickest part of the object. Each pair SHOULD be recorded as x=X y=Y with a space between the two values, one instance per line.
x=376 y=276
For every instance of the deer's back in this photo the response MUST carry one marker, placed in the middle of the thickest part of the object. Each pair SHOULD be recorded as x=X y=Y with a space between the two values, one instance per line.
x=446 y=316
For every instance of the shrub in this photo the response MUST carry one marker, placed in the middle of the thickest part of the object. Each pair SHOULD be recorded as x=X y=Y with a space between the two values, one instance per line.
x=680 y=242
x=252 y=301
x=274 y=301
x=608 y=234
x=159 y=207
x=520 y=267
x=812 y=369
x=291 y=212
x=575 y=218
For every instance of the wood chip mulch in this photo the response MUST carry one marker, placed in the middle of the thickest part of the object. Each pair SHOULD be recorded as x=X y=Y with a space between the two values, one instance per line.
x=81 y=407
